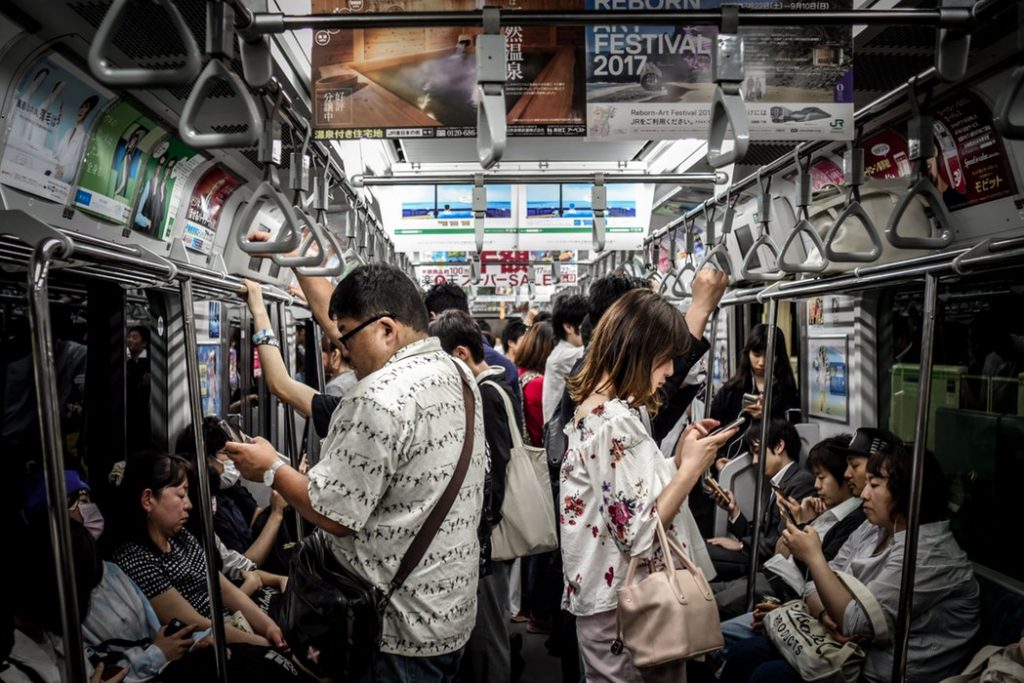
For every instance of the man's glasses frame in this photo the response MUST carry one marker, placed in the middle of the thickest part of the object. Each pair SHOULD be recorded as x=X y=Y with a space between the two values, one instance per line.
x=345 y=338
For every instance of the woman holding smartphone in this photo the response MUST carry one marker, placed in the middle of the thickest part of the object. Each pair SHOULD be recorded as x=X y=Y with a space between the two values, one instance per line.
x=743 y=393
x=615 y=482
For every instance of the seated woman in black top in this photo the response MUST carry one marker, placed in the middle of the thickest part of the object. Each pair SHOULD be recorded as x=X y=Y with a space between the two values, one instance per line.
x=728 y=403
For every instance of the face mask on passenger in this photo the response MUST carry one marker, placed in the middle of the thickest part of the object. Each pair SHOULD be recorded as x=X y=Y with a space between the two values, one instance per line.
x=92 y=519
x=230 y=475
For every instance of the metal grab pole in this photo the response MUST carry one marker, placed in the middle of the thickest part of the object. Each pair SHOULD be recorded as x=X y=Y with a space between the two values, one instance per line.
x=289 y=412
x=53 y=456
x=245 y=369
x=535 y=178
x=205 y=504
x=902 y=640
x=766 y=418
x=709 y=389
x=313 y=446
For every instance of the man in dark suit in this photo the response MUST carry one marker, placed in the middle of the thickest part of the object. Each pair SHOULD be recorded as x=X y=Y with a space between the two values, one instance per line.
x=731 y=556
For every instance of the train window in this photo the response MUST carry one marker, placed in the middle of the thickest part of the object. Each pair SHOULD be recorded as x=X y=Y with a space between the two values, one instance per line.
x=976 y=413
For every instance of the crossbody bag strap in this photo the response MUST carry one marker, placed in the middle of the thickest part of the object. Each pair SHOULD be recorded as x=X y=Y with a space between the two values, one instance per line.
x=429 y=529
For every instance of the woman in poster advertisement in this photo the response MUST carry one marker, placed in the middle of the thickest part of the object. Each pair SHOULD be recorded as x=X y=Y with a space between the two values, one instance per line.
x=24 y=107
x=69 y=149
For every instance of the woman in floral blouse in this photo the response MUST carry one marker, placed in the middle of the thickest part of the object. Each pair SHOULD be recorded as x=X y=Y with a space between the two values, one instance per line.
x=615 y=481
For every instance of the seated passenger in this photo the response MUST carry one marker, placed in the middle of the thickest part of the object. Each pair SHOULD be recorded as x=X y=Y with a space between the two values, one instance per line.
x=166 y=561
x=834 y=513
x=945 y=603
x=37 y=648
x=259 y=534
x=732 y=555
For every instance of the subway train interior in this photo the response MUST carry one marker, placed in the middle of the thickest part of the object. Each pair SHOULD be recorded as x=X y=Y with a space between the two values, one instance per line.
x=206 y=204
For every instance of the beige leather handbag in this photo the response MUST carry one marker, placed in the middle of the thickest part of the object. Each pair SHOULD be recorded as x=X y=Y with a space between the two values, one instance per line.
x=669 y=615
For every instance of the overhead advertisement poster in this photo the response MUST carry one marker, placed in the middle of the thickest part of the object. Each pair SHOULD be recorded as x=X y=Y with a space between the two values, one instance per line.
x=50 y=120
x=648 y=82
x=160 y=194
x=421 y=82
x=115 y=161
x=440 y=217
x=562 y=216
x=209 y=196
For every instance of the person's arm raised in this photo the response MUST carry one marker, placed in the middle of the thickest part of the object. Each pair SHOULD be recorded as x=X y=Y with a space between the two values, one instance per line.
x=275 y=372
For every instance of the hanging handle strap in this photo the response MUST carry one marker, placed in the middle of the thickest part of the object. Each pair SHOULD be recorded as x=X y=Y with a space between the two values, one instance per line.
x=803 y=227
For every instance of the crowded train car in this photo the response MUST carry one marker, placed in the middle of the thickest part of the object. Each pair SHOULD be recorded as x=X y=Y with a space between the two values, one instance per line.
x=530 y=340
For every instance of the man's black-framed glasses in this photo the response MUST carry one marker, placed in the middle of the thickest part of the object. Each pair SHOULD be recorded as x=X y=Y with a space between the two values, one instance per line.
x=345 y=338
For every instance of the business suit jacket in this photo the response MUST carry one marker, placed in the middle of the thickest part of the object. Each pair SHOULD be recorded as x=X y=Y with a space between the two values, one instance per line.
x=797 y=484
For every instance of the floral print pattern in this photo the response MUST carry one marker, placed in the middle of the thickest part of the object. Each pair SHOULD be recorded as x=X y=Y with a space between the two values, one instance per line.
x=611 y=477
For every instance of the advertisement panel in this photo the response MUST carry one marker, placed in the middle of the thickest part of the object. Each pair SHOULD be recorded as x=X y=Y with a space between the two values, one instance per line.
x=440 y=217
x=421 y=82
x=115 y=161
x=170 y=161
x=208 y=198
x=50 y=119
x=647 y=82
x=970 y=165
x=562 y=217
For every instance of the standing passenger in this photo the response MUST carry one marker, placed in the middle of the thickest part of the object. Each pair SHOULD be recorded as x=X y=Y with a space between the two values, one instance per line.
x=566 y=318
x=388 y=456
x=615 y=482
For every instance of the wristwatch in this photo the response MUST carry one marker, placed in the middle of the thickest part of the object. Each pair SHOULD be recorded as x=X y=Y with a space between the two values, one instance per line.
x=268 y=476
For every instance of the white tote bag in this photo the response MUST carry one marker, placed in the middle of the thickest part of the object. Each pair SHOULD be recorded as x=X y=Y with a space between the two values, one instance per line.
x=808 y=646
x=527 y=525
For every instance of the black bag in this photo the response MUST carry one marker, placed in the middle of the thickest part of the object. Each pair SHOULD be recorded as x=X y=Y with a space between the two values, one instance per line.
x=331 y=618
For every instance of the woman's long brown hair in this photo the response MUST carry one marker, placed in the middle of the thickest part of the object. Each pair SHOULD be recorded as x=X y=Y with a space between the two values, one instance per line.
x=639 y=331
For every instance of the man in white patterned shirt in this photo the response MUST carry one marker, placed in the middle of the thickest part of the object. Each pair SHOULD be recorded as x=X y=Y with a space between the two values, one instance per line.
x=392 y=446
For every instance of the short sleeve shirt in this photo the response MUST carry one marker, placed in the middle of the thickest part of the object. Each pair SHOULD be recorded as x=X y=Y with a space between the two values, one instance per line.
x=391 y=449
x=155 y=572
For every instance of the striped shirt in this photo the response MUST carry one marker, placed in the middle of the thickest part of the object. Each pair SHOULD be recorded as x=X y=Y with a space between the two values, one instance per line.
x=391 y=449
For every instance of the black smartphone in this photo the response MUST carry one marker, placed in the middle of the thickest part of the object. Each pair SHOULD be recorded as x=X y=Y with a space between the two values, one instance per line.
x=231 y=432
x=174 y=626
x=738 y=422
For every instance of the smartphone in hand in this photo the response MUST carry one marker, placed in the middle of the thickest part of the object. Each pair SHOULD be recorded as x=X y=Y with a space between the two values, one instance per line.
x=738 y=423
x=174 y=626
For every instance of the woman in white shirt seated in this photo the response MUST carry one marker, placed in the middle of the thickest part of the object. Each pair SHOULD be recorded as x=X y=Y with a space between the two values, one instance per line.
x=615 y=482
x=945 y=602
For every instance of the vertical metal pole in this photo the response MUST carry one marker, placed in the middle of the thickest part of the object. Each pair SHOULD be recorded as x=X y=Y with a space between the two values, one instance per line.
x=53 y=456
x=902 y=640
x=766 y=418
x=245 y=369
x=313 y=447
x=205 y=505
x=709 y=387
x=288 y=431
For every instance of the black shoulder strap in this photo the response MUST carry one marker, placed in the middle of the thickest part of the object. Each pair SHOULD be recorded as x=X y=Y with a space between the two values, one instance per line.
x=429 y=529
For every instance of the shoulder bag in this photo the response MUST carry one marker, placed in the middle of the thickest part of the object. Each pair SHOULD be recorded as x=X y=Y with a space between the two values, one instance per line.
x=669 y=615
x=527 y=525
x=805 y=642
x=331 y=617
